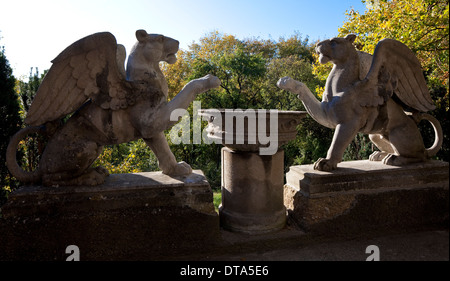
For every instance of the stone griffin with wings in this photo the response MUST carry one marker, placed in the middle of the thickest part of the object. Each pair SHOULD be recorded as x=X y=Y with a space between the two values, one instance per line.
x=384 y=95
x=108 y=105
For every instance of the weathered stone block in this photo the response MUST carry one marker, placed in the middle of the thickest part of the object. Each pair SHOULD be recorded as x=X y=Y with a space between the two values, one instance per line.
x=366 y=195
x=140 y=216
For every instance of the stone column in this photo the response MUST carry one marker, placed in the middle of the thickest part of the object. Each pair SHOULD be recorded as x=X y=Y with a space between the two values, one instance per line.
x=252 y=183
x=252 y=191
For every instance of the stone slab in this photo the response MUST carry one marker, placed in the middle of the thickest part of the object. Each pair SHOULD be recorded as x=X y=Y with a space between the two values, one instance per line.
x=142 y=216
x=118 y=192
x=363 y=196
x=367 y=175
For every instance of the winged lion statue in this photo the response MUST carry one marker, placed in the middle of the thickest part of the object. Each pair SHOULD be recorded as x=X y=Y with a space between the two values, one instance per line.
x=384 y=95
x=108 y=105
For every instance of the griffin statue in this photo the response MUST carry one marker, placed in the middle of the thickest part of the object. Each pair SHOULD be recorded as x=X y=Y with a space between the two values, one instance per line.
x=108 y=105
x=384 y=95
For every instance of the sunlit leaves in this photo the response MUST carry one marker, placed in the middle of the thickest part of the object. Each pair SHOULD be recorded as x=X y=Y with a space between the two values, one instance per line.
x=130 y=157
x=421 y=24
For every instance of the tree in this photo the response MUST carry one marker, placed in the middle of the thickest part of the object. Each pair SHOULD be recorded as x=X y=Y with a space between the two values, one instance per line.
x=297 y=47
x=420 y=24
x=30 y=149
x=10 y=121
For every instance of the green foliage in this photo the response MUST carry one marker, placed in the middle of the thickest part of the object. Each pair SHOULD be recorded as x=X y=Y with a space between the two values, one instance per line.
x=295 y=46
x=313 y=142
x=27 y=90
x=129 y=157
x=217 y=200
x=31 y=148
x=10 y=122
x=240 y=72
x=360 y=148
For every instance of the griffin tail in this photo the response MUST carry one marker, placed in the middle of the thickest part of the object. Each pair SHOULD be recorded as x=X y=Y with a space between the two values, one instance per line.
x=11 y=161
x=438 y=134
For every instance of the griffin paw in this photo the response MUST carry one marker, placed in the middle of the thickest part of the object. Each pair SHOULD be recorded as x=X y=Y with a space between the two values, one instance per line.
x=286 y=83
x=291 y=85
x=325 y=165
x=397 y=160
x=180 y=169
x=210 y=81
x=378 y=156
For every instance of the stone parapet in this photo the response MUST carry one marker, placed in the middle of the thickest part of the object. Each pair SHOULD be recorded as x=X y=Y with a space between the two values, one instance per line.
x=140 y=216
x=364 y=195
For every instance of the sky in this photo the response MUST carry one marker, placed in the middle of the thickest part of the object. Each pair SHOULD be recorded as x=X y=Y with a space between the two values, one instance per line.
x=34 y=32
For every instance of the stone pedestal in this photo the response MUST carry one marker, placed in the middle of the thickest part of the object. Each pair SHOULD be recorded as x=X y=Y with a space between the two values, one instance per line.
x=366 y=195
x=252 y=192
x=141 y=216
x=252 y=180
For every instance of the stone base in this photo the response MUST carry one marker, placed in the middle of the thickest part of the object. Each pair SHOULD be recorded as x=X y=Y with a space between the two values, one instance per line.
x=252 y=223
x=141 y=216
x=365 y=195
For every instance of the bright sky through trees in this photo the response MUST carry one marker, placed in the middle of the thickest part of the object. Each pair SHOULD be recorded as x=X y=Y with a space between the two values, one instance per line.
x=34 y=32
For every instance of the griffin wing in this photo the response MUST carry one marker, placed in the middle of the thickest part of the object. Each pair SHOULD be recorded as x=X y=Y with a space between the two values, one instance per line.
x=395 y=69
x=87 y=69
